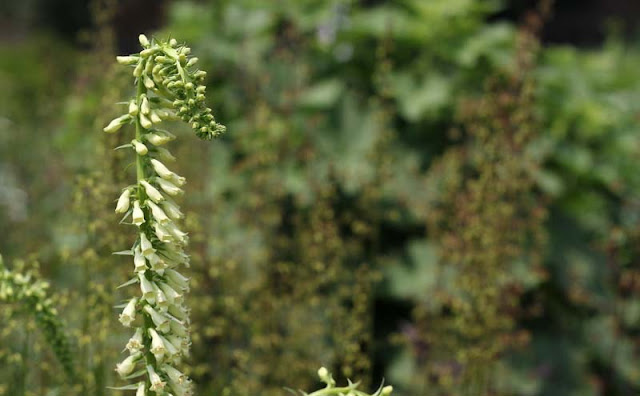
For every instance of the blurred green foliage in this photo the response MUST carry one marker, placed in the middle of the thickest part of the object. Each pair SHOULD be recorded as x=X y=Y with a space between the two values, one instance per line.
x=368 y=209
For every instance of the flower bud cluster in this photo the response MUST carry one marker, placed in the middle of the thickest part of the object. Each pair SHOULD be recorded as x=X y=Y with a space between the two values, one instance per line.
x=167 y=89
x=168 y=72
x=350 y=390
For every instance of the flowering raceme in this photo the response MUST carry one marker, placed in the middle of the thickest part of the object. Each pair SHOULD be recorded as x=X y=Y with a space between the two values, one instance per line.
x=168 y=87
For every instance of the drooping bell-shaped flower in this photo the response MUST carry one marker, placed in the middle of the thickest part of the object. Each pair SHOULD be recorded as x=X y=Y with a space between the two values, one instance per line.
x=128 y=314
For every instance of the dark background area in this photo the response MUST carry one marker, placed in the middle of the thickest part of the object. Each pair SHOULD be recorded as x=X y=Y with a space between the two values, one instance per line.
x=578 y=22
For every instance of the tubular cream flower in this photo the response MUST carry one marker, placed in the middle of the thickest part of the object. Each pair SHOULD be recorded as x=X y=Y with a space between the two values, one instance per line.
x=156 y=382
x=177 y=233
x=137 y=215
x=142 y=389
x=125 y=367
x=171 y=209
x=139 y=262
x=128 y=315
x=145 y=246
x=157 y=212
x=161 y=321
x=152 y=192
x=161 y=169
x=173 y=296
x=157 y=264
x=123 y=202
x=148 y=291
x=157 y=345
x=168 y=187
x=135 y=342
x=162 y=234
x=178 y=279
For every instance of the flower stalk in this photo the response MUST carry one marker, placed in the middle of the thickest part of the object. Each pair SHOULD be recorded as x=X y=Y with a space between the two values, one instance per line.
x=168 y=87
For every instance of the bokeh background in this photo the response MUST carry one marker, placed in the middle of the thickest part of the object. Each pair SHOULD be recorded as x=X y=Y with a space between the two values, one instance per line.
x=440 y=193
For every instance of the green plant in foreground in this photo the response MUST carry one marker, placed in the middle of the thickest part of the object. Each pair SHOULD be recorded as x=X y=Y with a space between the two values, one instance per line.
x=168 y=87
x=350 y=390
x=30 y=291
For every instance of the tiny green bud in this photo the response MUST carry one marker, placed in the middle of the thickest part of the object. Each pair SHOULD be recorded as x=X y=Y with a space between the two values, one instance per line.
x=173 y=42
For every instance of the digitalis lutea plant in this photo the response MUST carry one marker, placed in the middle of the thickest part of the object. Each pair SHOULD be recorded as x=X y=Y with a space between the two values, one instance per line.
x=31 y=291
x=168 y=87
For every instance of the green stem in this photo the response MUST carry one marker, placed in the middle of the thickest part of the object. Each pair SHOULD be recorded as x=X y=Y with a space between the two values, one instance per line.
x=141 y=89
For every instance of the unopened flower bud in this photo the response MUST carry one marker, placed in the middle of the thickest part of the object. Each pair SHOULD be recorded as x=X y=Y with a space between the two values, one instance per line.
x=127 y=60
x=139 y=147
x=155 y=118
x=123 y=202
x=144 y=121
x=192 y=62
x=144 y=41
x=148 y=82
x=144 y=105
x=117 y=123
x=133 y=108
x=137 y=72
x=164 y=154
